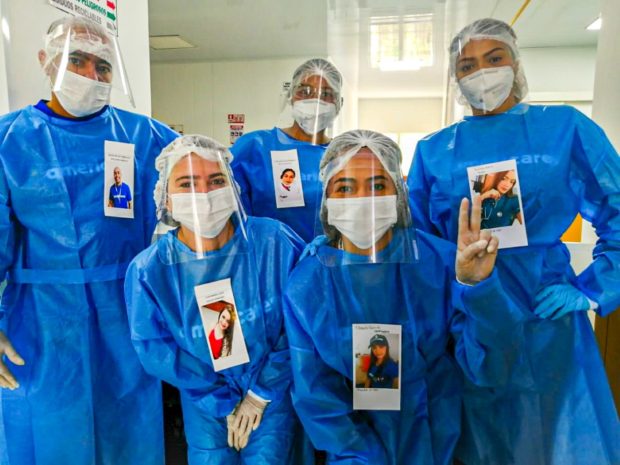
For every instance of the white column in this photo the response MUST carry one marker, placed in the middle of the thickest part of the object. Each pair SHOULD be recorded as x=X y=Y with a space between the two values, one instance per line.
x=606 y=104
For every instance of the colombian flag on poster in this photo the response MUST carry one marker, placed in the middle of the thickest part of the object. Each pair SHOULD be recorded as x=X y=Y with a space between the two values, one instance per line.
x=99 y=11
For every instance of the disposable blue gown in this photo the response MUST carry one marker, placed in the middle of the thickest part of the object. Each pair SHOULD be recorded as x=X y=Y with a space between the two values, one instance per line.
x=558 y=407
x=435 y=337
x=167 y=332
x=84 y=398
x=252 y=168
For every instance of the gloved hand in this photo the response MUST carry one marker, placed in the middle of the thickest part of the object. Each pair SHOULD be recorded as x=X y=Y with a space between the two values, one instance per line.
x=7 y=380
x=230 y=421
x=557 y=300
x=248 y=416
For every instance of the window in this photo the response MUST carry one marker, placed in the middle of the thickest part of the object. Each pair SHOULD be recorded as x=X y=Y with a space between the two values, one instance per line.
x=402 y=42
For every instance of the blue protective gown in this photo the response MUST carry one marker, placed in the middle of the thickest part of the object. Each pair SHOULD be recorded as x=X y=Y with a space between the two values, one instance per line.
x=252 y=169
x=322 y=304
x=167 y=332
x=83 y=398
x=558 y=408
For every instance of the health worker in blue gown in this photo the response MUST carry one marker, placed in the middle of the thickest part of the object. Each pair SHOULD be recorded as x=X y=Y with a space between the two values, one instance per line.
x=75 y=392
x=262 y=159
x=205 y=310
x=371 y=277
x=557 y=408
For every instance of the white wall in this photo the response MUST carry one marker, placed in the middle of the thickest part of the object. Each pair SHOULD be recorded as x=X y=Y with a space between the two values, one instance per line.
x=24 y=24
x=560 y=73
x=400 y=115
x=201 y=95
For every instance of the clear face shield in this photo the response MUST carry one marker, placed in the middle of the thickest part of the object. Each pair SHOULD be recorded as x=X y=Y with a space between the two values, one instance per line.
x=315 y=105
x=486 y=66
x=364 y=209
x=315 y=100
x=84 y=64
x=196 y=194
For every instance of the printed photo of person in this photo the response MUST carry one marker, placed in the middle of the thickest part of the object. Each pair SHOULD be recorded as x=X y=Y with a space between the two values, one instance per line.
x=497 y=185
x=383 y=370
x=500 y=203
x=287 y=178
x=120 y=193
x=221 y=334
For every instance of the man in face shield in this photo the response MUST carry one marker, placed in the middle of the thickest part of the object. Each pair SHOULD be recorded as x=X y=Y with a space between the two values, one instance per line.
x=74 y=390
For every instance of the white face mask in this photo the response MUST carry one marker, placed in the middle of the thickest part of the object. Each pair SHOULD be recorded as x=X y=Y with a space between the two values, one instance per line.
x=488 y=88
x=363 y=220
x=313 y=115
x=81 y=96
x=204 y=213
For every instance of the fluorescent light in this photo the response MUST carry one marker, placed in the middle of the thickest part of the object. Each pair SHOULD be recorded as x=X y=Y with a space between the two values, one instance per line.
x=596 y=24
x=168 y=42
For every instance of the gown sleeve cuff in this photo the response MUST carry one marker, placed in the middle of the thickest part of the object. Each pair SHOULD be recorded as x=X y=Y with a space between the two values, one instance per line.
x=257 y=397
x=487 y=304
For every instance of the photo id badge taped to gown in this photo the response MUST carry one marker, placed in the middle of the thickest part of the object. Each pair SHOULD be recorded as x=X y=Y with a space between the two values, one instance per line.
x=502 y=207
x=376 y=366
x=118 y=189
x=287 y=179
x=222 y=325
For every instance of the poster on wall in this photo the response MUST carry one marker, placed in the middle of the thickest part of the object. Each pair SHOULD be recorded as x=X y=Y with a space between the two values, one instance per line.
x=235 y=125
x=102 y=12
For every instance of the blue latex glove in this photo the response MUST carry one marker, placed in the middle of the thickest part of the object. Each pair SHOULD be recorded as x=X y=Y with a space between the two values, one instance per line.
x=557 y=300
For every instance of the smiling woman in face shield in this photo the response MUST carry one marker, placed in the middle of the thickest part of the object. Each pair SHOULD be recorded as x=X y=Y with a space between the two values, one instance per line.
x=229 y=361
x=370 y=251
x=558 y=407
x=262 y=156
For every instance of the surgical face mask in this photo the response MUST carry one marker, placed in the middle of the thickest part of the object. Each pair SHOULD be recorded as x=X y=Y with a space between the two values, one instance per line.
x=204 y=213
x=488 y=88
x=313 y=115
x=81 y=96
x=363 y=220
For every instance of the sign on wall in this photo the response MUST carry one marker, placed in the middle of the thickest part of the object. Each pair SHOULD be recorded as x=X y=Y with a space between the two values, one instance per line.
x=235 y=124
x=102 y=12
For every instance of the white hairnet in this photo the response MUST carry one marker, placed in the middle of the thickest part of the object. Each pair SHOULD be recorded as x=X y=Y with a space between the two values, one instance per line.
x=73 y=33
x=319 y=67
x=344 y=147
x=175 y=151
x=494 y=29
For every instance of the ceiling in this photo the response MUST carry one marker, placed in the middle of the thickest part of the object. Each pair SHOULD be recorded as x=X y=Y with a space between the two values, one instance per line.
x=258 y=29
x=240 y=29
x=544 y=23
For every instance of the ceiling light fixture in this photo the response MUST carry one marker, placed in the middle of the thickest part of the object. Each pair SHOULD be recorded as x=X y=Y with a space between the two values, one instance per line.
x=596 y=24
x=169 y=42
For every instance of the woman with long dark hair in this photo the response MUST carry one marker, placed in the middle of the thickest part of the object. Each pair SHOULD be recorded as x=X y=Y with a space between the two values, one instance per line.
x=221 y=336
